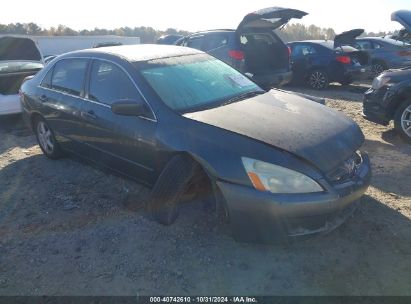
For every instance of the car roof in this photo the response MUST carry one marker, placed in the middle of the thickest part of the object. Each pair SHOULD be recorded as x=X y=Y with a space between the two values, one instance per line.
x=310 y=41
x=371 y=38
x=138 y=52
x=212 y=31
x=384 y=39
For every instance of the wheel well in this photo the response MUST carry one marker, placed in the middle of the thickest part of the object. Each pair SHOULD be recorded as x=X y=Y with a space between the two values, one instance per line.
x=203 y=185
x=33 y=118
x=403 y=96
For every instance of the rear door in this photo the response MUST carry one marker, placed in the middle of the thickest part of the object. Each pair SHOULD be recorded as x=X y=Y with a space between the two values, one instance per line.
x=195 y=42
x=123 y=143
x=217 y=45
x=303 y=58
x=61 y=97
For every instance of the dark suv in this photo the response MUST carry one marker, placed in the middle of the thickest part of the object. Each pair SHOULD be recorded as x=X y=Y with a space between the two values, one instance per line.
x=253 y=48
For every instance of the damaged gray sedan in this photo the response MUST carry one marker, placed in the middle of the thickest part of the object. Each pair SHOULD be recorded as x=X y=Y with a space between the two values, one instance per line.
x=275 y=164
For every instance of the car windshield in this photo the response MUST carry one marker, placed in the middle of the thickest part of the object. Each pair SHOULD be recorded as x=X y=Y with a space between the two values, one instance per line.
x=196 y=82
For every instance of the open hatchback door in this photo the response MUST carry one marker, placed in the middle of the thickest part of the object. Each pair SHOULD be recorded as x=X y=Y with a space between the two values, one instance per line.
x=269 y=18
x=347 y=38
x=267 y=58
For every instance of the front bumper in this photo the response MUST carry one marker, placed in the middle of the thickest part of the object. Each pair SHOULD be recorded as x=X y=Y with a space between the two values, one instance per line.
x=265 y=217
x=9 y=104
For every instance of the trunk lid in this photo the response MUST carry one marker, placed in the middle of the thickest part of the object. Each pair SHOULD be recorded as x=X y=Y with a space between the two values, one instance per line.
x=18 y=48
x=347 y=38
x=307 y=129
x=269 y=18
x=358 y=57
x=403 y=17
x=19 y=58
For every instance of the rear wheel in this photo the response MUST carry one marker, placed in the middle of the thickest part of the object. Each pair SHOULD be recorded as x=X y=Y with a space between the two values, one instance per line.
x=46 y=140
x=377 y=68
x=170 y=187
x=402 y=120
x=318 y=80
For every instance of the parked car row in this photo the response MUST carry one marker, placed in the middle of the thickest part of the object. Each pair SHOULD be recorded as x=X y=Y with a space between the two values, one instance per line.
x=253 y=48
x=256 y=50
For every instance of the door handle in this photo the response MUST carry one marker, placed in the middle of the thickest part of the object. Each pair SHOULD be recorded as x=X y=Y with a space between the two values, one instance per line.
x=90 y=114
x=43 y=98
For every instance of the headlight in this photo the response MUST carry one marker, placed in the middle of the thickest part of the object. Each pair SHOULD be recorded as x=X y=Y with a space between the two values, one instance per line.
x=379 y=82
x=277 y=179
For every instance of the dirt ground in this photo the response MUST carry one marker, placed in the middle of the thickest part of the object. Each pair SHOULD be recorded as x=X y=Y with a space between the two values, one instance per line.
x=65 y=230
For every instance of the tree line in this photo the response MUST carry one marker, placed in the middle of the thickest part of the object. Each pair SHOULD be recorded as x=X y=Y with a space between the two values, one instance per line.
x=290 y=32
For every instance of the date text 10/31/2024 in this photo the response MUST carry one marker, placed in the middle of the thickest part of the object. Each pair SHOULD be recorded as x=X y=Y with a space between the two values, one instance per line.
x=203 y=300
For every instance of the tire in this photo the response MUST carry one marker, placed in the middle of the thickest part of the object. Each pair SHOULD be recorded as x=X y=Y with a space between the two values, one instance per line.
x=377 y=68
x=317 y=80
x=172 y=183
x=402 y=120
x=46 y=140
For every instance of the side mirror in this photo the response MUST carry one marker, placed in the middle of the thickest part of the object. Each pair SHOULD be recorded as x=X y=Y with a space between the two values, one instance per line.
x=129 y=107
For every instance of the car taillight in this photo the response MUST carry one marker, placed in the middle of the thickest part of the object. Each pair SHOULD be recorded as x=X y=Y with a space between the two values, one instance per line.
x=344 y=59
x=404 y=53
x=289 y=51
x=238 y=55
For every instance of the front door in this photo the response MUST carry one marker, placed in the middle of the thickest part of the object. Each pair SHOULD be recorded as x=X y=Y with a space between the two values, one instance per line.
x=302 y=59
x=123 y=143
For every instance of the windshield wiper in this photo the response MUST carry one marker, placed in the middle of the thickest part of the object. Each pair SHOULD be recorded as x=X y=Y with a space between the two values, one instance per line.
x=242 y=97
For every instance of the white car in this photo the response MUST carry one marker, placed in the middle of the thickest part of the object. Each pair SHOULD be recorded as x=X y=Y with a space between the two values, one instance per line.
x=19 y=58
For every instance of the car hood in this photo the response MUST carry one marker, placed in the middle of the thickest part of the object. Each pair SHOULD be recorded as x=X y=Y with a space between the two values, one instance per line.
x=269 y=18
x=347 y=38
x=314 y=132
x=403 y=17
x=398 y=75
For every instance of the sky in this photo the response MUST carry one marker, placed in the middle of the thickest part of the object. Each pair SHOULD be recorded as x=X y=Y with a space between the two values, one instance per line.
x=198 y=15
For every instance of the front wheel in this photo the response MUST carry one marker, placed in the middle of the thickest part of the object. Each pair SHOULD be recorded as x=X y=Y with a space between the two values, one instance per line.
x=46 y=140
x=318 y=80
x=163 y=203
x=402 y=120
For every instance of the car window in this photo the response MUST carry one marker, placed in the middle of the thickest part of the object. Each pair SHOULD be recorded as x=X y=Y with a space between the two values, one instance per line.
x=109 y=83
x=213 y=42
x=377 y=45
x=46 y=83
x=68 y=76
x=363 y=45
x=301 y=50
x=193 y=82
x=195 y=42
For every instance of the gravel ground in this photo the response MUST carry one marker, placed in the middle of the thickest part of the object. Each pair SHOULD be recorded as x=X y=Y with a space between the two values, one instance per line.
x=65 y=229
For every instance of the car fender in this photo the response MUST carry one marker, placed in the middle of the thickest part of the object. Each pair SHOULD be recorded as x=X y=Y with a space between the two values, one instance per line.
x=396 y=95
